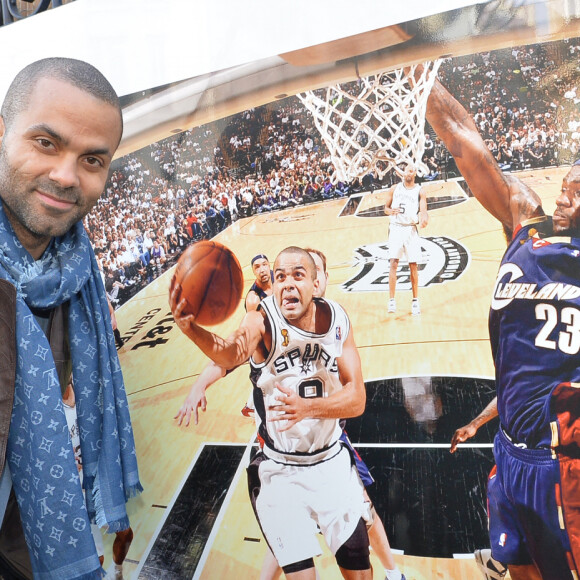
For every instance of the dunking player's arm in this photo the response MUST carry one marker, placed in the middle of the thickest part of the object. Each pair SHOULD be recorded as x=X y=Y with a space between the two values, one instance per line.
x=252 y=301
x=226 y=352
x=504 y=196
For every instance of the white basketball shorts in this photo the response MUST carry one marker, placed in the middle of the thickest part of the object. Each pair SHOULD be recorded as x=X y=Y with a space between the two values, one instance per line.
x=404 y=241
x=293 y=499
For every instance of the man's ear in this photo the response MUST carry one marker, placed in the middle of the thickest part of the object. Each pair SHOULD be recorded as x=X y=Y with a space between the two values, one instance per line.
x=2 y=128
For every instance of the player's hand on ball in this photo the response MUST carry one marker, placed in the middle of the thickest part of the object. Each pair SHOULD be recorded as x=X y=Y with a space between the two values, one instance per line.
x=208 y=279
x=291 y=408
x=178 y=305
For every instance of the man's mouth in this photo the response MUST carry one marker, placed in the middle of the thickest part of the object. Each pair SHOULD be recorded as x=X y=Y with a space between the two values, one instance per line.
x=55 y=201
x=289 y=301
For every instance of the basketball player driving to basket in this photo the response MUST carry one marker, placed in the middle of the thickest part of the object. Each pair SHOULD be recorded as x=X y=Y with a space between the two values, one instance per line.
x=534 y=519
x=211 y=373
x=304 y=363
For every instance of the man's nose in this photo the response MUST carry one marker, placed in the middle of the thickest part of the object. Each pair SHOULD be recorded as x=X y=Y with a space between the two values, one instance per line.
x=65 y=172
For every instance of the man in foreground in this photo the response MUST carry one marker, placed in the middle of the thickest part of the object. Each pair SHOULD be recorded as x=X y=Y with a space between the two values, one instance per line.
x=304 y=363
x=60 y=125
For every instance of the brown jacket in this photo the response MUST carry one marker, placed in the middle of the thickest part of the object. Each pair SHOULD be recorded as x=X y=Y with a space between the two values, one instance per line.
x=14 y=559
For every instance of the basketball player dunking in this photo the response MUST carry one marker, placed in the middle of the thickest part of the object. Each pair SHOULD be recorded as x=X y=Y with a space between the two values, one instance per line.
x=534 y=518
x=304 y=363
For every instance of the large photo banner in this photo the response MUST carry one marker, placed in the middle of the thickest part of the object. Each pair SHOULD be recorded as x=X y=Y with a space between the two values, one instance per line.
x=404 y=150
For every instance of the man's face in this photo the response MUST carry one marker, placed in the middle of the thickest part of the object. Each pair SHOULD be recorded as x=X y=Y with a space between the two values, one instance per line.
x=321 y=275
x=567 y=215
x=261 y=269
x=409 y=174
x=294 y=284
x=54 y=159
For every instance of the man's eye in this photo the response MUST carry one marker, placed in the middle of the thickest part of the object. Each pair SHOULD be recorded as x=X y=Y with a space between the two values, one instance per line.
x=45 y=143
x=94 y=161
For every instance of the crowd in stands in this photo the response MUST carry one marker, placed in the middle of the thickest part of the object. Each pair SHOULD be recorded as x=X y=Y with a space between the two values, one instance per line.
x=523 y=100
x=191 y=186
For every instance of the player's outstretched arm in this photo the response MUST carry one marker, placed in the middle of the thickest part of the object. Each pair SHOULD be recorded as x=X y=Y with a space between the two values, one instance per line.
x=196 y=397
x=349 y=402
x=226 y=352
x=468 y=431
x=505 y=197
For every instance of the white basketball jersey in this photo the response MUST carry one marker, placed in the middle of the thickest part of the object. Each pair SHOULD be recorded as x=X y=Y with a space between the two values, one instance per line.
x=306 y=363
x=408 y=201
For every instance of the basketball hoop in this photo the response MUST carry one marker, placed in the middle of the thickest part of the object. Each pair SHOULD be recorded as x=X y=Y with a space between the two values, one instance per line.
x=375 y=123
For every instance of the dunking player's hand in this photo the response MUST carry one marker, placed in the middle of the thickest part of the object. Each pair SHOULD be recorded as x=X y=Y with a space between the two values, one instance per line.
x=291 y=408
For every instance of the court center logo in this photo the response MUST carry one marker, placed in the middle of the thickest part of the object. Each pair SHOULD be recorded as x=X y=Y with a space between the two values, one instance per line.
x=442 y=260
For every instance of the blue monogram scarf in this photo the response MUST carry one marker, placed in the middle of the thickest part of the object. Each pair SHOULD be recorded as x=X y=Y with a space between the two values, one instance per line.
x=55 y=513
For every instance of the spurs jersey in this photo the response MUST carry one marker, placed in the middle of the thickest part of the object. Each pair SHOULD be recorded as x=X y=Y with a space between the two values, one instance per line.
x=535 y=332
x=408 y=201
x=306 y=363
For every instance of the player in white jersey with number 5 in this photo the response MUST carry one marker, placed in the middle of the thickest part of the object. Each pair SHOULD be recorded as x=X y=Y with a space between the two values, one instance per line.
x=406 y=204
x=305 y=364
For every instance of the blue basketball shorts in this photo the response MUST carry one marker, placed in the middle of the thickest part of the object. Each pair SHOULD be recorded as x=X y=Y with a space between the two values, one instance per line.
x=527 y=522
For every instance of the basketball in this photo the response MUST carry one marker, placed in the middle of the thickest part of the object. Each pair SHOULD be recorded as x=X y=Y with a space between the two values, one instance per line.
x=211 y=281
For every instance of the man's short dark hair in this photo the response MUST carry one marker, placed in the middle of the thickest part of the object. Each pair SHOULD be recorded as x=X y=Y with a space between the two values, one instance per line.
x=302 y=252
x=78 y=73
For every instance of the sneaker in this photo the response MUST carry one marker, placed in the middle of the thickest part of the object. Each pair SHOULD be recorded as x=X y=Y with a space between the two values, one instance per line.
x=114 y=572
x=490 y=568
x=392 y=305
x=402 y=577
x=415 y=308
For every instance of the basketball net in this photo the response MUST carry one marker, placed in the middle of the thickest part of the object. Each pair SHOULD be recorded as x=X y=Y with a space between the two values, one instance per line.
x=375 y=123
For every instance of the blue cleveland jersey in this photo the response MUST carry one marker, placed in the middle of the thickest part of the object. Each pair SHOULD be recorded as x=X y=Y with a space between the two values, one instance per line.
x=535 y=328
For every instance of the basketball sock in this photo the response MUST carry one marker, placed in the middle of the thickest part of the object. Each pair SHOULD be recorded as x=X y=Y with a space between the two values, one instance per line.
x=394 y=574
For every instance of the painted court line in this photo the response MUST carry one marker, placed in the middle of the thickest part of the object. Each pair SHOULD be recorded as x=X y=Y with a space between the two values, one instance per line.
x=217 y=524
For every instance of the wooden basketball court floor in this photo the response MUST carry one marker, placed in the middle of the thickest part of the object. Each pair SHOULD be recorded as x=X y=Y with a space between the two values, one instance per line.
x=440 y=360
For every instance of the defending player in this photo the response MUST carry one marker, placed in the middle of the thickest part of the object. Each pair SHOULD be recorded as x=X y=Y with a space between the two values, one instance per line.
x=534 y=330
x=406 y=204
x=302 y=348
x=262 y=286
